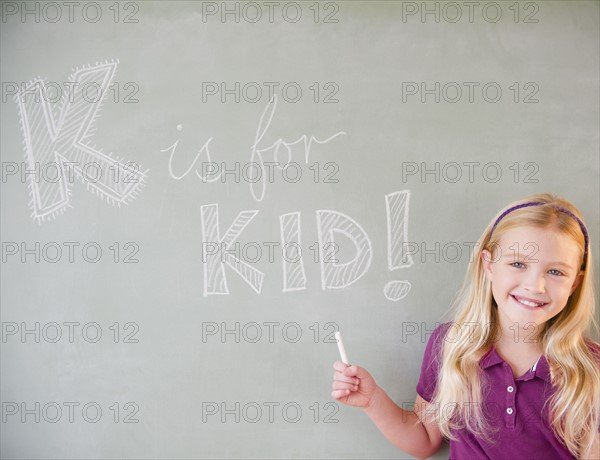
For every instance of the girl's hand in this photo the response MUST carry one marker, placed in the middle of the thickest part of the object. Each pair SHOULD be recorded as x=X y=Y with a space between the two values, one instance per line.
x=352 y=385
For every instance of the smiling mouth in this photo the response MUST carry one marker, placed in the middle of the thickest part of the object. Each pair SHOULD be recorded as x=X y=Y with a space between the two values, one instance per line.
x=528 y=303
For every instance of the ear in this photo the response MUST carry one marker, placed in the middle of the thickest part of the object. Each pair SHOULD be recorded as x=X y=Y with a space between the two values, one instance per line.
x=486 y=260
x=577 y=281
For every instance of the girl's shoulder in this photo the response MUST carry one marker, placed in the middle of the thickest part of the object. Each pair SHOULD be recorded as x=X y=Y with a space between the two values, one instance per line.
x=435 y=342
x=438 y=335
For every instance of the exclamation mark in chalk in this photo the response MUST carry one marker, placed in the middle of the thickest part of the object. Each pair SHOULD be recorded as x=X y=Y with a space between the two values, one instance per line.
x=397 y=234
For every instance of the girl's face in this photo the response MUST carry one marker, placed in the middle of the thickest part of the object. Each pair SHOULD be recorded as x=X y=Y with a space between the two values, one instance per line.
x=533 y=273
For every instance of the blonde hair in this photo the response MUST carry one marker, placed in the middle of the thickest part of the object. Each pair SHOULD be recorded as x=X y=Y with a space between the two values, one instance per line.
x=574 y=409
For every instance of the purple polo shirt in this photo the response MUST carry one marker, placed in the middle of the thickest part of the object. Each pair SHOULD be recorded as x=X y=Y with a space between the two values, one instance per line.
x=514 y=406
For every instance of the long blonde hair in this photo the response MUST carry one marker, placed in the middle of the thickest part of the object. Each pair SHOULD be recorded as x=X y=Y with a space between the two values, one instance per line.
x=574 y=409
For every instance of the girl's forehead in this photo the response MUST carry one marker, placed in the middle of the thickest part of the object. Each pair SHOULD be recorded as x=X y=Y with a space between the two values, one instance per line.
x=546 y=240
x=534 y=233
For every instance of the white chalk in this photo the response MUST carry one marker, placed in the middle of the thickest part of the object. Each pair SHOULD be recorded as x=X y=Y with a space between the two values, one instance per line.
x=338 y=337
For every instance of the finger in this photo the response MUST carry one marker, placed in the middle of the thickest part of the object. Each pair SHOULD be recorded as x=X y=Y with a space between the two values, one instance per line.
x=345 y=378
x=338 y=384
x=344 y=386
x=339 y=366
x=353 y=370
x=356 y=371
x=338 y=394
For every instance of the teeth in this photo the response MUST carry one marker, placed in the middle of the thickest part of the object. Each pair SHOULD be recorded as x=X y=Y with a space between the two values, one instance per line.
x=528 y=303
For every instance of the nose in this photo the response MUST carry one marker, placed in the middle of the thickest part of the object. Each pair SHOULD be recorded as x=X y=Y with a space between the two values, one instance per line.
x=534 y=281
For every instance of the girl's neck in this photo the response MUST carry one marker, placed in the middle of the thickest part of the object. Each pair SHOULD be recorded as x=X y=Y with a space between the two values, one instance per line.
x=514 y=339
x=520 y=348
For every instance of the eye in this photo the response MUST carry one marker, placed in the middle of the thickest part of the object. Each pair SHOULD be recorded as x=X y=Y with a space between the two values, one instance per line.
x=556 y=272
x=517 y=263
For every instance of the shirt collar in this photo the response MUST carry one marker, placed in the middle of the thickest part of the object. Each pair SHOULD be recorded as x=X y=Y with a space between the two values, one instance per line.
x=540 y=369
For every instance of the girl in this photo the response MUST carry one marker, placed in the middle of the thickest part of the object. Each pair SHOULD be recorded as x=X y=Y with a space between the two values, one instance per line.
x=514 y=375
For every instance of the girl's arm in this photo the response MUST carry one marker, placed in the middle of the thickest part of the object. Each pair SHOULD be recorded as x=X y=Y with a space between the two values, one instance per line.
x=354 y=386
x=402 y=428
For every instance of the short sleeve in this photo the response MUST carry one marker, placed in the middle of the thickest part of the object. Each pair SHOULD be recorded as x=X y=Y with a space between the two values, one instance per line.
x=431 y=362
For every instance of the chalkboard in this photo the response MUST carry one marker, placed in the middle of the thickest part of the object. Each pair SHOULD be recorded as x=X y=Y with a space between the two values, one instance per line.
x=197 y=195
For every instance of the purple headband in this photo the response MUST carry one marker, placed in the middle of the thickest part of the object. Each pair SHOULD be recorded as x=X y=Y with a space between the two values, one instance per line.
x=539 y=203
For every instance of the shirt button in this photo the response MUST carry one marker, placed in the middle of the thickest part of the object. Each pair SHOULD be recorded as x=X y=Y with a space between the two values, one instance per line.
x=509 y=411
x=510 y=389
